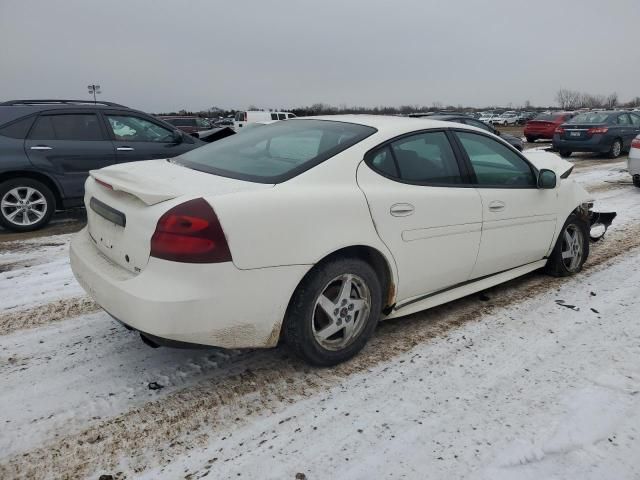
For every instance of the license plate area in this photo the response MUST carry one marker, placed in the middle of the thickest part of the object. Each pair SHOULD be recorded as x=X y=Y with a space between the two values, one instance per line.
x=575 y=134
x=107 y=212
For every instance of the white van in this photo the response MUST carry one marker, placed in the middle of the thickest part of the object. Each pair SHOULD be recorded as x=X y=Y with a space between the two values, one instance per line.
x=250 y=116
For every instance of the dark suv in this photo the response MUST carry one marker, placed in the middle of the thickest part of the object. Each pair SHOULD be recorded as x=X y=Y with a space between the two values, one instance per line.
x=47 y=148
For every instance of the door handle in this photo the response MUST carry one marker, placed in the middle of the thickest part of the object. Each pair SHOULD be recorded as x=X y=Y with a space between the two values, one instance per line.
x=401 y=209
x=496 y=206
x=125 y=149
x=41 y=147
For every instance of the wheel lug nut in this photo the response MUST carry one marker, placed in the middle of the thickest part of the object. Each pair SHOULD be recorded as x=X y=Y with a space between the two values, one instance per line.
x=344 y=302
x=336 y=311
x=351 y=306
x=348 y=318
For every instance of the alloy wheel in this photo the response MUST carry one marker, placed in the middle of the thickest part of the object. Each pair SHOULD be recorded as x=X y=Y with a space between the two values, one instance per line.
x=572 y=248
x=23 y=206
x=341 y=311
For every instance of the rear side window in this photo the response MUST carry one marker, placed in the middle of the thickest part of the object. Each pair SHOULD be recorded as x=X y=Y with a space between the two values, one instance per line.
x=17 y=129
x=274 y=116
x=282 y=116
x=635 y=119
x=623 y=120
x=495 y=164
x=425 y=158
x=82 y=127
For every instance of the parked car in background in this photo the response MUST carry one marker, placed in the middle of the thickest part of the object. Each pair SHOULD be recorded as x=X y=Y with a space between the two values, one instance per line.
x=506 y=118
x=544 y=125
x=466 y=120
x=487 y=117
x=243 y=118
x=47 y=148
x=224 y=122
x=189 y=124
x=524 y=117
x=609 y=132
x=395 y=193
x=633 y=162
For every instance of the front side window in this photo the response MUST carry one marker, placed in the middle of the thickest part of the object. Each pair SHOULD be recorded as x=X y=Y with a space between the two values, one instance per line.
x=276 y=152
x=282 y=116
x=495 y=164
x=83 y=127
x=135 y=129
x=426 y=158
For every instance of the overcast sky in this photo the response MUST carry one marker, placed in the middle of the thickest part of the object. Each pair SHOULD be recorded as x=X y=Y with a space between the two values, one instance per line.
x=161 y=55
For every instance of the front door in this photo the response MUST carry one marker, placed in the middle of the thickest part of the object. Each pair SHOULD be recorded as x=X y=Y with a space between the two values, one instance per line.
x=68 y=145
x=518 y=219
x=423 y=211
x=137 y=138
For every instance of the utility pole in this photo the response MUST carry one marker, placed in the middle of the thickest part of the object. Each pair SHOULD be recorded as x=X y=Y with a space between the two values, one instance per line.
x=94 y=89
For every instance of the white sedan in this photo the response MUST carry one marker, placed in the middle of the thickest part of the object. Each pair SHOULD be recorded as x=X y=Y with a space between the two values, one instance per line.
x=634 y=161
x=312 y=230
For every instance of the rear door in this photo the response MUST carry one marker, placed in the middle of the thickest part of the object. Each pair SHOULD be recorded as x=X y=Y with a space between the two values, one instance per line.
x=626 y=129
x=635 y=124
x=67 y=145
x=518 y=219
x=424 y=210
x=136 y=137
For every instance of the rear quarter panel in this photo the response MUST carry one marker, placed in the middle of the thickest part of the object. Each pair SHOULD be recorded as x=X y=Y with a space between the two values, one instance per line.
x=301 y=221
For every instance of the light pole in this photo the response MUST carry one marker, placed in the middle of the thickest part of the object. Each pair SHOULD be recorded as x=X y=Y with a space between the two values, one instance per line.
x=95 y=89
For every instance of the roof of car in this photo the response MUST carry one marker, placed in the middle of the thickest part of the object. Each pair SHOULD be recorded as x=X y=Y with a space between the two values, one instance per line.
x=382 y=122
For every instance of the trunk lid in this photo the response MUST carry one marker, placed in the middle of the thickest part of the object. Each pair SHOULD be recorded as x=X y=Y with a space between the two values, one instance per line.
x=124 y=203
x=579 y=131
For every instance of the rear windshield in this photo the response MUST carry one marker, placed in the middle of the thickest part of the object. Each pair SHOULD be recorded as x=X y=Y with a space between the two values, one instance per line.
x=590 y=117
x=277 y=152
x=549 y=117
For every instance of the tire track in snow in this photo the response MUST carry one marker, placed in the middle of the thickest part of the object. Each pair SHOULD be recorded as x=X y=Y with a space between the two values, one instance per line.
x=45 y=314
x=261 y=382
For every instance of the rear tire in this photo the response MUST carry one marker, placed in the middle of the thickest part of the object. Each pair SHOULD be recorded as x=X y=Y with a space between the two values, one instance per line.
x=636 y=180
x=571 y=249
x=25 y=204
x=616 y=149
x=565 y=153
x=333 y=312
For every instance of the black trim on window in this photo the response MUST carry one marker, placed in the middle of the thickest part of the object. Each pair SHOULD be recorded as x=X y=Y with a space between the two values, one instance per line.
x=464 y=172
x=469 y=165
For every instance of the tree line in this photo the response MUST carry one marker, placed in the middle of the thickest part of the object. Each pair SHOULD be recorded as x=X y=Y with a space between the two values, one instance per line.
x=573 y=100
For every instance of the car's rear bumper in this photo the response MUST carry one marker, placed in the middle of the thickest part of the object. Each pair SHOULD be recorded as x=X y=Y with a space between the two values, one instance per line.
x=539 y=133
x=597 y=143
x=206 y=304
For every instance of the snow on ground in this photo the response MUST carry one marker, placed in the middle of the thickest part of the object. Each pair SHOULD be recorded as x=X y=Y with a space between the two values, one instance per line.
x=535 y=391
x=515 y=388
x=35 y=272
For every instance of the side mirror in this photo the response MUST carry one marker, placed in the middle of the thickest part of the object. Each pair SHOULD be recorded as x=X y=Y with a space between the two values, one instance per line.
x=546 y=179
x=177 y=137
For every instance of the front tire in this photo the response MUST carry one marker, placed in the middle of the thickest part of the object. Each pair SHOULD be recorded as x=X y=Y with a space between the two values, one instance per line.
x=25 y=204
x=616 y=149
x=571 y=249
x=333 y=312
x=531 y=139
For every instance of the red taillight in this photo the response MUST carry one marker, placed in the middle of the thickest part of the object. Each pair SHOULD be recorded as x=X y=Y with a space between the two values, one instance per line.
x=104 y=184
x=594 y=130
x=635 y=143
x=190 y=233
x=559 y=130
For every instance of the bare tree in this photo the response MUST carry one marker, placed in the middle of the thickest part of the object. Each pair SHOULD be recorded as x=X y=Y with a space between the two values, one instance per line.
x=568 y=99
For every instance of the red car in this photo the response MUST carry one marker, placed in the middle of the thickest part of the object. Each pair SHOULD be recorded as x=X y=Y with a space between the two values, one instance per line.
x=544 y=125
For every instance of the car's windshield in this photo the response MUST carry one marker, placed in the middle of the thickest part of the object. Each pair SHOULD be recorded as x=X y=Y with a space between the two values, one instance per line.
x=590 y=117
x=274 y=153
